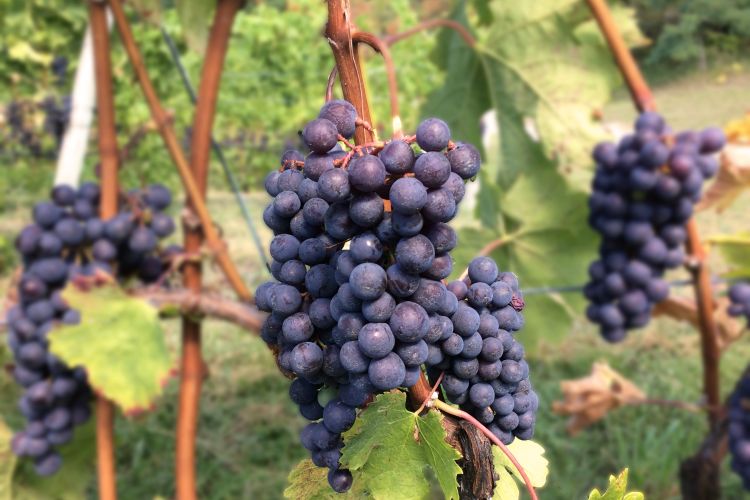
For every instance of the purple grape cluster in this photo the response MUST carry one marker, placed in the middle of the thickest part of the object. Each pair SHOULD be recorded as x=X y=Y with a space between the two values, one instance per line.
x=484 y=367
x=69 y=240
x=643 y=194
x=739 y=297
x=739 y=429
x=358 y=305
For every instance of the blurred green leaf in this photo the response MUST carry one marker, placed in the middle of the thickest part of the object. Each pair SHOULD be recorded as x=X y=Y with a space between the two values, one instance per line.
x=150 y=10
x=74 y=478
x=119 y=342
x=196 y=17
x=7 y=462
x=735 y=248
x=539 y=68
x=530 y=455
x=617 y=489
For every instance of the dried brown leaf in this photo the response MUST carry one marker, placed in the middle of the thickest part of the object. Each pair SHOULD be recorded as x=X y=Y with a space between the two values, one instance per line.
x=733 y=177
x=588 y=400
x=728 y=328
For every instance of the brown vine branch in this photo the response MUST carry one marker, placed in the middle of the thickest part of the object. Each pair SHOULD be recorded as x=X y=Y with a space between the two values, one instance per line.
x=189 y=302
x=430 y=24
x=191 y=366
x=339 y=33
x=381 y=47
x=446 y=408
x=213 y=239
x=108 y=154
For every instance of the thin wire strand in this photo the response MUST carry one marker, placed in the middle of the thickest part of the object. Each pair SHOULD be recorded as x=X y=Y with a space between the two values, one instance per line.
x=545 y=290
x=231 y=179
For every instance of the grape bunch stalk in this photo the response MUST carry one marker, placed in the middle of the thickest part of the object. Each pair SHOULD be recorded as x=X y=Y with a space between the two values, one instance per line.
x=360 y=252
x=644 y=192
x=69 y=241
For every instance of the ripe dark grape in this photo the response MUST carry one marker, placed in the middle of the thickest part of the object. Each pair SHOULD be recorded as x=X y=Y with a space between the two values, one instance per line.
x=320 y=135
x=398 y=157
x=739 y=430
x=342 y=114
x=433 y=134
x=644 y=190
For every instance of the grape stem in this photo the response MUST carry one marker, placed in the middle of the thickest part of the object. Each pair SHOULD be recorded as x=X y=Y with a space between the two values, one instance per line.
x=191 y=303
x=381 y=47
x=433 y=394
x=108 y=154
x=451 y=410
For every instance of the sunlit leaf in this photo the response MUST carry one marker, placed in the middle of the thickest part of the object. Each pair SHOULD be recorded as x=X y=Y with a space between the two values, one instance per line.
x=7 y=462
x=735 y=248
x=119 y=342
x=617 y=489
x=310 y=482
x=389 y=448
x=195 y=17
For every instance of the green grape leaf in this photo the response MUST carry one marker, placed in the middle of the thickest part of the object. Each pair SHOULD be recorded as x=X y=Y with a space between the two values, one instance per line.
x=506 y=487
x=22 y=51
x=74 y=477
x=735 y=248
x=617 y=489
x=119 y=342
x=531 y=457
x=460 y=101
x=389 y=449
x=545 y=70
x=7 y=462
x=149 y=10
x=310 y=482
x=195 y=18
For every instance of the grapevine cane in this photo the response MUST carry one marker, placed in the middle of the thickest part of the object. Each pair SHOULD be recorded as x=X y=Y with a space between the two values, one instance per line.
x=644 y=101
x=339 y=33
x=214 y=241
x=105 y=413
x=192 y=372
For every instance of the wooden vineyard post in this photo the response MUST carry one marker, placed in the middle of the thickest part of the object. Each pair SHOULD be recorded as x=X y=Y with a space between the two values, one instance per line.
x=191 y=366
x=108 y=155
